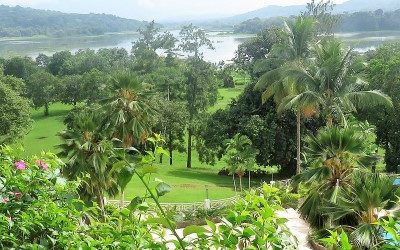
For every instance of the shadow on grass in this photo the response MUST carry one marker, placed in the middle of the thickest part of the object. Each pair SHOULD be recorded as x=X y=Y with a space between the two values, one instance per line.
x=58 y=114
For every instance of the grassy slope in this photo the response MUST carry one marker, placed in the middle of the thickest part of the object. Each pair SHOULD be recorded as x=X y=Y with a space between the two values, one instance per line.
x=188 y=184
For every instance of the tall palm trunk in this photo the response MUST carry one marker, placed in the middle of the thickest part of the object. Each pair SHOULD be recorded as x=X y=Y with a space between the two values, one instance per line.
x=298 y=144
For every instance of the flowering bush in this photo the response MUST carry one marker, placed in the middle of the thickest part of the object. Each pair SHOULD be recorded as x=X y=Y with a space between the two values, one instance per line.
x=39 y=209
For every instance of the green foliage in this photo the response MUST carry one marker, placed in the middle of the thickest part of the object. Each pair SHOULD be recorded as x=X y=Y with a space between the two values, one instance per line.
x=273 y=135
x=15 y=117
x=240 y=156
x=42 y=90
x=381 y=72
x=18 y=21
x=251 y=224
x=337 y=241
x=40 y=210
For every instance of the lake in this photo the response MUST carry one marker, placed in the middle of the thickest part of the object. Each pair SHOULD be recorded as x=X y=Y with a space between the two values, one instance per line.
x=225 y=43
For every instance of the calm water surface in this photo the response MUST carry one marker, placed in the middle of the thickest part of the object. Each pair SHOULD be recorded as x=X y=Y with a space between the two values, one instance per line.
x=225 y=44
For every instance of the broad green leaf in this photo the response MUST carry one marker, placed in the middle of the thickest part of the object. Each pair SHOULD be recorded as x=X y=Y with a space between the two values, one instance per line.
x=194 y=230
x=135 y=203
x=159 y=221
x=163 y=188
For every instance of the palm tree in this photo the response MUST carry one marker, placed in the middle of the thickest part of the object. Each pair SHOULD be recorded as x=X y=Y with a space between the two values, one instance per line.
x=371 y=197
x=240 y=157
x=333 y=155
x=296 y=42
x=128 y=116
x=332 y=84
x=129 y=111
x=88 y=155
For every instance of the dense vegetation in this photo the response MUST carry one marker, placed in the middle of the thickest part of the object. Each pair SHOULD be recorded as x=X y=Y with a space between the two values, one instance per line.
x=18 y=21
x=306 y=112
x=378 y=20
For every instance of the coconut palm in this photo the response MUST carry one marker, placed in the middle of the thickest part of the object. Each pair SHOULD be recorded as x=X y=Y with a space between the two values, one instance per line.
x=331 y=82
x=333 y=155
x=128 y=111
x=297 y=38
x=88 y=152
x=372 y=196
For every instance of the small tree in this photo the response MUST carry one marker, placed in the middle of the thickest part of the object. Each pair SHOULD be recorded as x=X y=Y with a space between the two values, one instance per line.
x=41 y=89
x=240 y=157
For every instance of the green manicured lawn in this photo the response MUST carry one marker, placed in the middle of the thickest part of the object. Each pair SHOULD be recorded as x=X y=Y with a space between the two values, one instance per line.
x=43 y=136
x=225 y=97
x=188 y=185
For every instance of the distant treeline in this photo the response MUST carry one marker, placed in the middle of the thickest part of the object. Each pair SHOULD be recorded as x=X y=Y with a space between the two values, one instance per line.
x=348 y=22
x=19 y=21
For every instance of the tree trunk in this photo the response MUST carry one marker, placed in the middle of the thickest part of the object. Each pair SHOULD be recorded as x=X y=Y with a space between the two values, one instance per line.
x=171 y=150
x=46 y=109
x=100 y=202
x=249 y=179
x=189 y=149
x=298 y=139
x=234 y=183
x=122 y=199
x=240 y=183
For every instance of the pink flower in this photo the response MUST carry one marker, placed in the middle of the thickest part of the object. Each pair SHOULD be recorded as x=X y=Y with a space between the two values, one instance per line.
x=43 y=165
x=17 y=195
x=20 y=165
x=4 y=200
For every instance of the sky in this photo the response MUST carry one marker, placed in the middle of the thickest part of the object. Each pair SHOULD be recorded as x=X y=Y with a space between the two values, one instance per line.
x=159 y=10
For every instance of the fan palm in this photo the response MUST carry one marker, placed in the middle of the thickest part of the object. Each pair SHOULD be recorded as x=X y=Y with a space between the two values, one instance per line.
x=129 y=112
x=333 y=155
x=296 y=42
x=372 y=196
x=332 y=83
x=88 y=152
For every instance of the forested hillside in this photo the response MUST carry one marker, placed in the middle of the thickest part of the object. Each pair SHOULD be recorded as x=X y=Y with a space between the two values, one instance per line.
x=350 y=22
x=18 y=21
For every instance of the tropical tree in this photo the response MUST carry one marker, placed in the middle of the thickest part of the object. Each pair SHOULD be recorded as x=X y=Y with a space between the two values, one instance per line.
x=332 y=84
x=296 y=39
x=240 y=157
x=128 y=111
x=201 y=89
x=88 y=153
x=332 y=156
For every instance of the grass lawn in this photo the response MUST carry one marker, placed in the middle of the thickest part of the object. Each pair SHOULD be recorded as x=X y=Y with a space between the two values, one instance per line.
x=43 y=136
x=188 y=185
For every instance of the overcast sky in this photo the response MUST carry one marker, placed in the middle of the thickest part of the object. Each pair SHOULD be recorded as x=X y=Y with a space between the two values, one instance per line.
x=156 y=9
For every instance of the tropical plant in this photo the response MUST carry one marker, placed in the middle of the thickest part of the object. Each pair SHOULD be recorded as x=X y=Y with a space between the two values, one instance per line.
x=332 y=156
x=128 y=111
x=296 y=42
x=88 y=153
x=332 y=83
x=372 y=197
x=240 y=157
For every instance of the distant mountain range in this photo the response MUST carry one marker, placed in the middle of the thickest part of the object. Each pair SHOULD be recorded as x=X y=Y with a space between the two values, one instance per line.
x=19 y=21
x=349 y=6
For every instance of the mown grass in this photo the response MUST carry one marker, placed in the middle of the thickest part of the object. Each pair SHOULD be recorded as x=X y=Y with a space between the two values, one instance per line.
x=188 y=185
